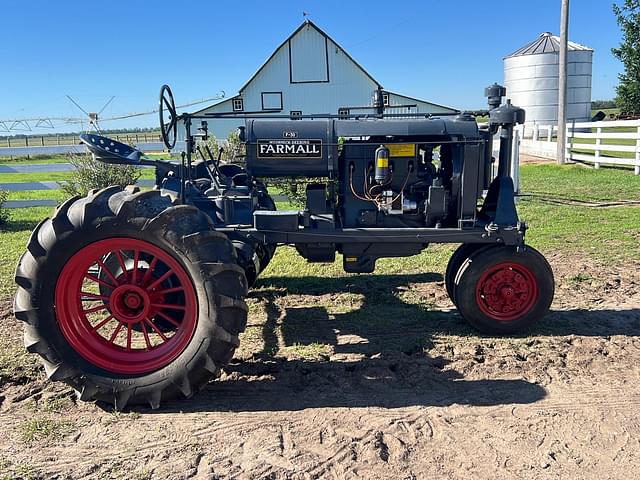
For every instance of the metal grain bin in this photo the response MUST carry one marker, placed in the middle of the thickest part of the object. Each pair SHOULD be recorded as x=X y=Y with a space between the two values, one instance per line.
x=531 y=78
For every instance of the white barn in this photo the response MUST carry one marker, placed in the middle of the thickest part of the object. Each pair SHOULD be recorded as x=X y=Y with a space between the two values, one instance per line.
x=309 y=74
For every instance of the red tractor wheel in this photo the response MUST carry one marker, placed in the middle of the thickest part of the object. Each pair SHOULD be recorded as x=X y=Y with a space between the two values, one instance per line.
x=130 y=299
x=502 y=291
x=117 y=328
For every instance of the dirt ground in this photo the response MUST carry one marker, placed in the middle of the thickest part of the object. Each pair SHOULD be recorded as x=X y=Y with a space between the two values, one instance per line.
x=316 y=393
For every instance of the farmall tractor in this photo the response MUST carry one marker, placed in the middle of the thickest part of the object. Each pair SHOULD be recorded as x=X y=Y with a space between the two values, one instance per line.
x=137 y=297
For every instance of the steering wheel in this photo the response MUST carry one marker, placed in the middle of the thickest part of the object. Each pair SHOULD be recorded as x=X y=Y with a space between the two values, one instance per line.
x=168 y=130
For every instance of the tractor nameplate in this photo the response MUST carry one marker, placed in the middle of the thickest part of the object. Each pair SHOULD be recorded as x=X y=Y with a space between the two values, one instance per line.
x=288 y=148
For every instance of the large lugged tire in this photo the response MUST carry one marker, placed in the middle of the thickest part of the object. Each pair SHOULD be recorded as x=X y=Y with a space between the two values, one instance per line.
x=501 y=290
x=130 y=299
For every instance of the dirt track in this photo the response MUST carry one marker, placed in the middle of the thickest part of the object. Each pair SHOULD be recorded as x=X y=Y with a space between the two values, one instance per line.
x=398 y=399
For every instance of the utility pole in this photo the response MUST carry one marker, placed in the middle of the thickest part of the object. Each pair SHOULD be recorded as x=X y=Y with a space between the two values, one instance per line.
x=562 y=86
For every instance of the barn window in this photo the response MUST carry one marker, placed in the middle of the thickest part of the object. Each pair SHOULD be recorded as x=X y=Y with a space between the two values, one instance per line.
x=238 y=105
x=295 y=114
x=308 y=57
x=343 y=112
x=271 y=100
x=385 y=99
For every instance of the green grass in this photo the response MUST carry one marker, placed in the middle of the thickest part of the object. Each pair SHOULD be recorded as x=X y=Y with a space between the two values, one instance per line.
x=34 y=177
x=13 y=238
x=42 y=428
x=577 y=182
x=46 y=159
x=57 y=195
x=147 y=174
x=34 y=159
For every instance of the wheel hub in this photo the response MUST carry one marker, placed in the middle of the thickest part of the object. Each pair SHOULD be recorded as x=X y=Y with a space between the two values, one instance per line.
x=507 y=291
x=129 y=303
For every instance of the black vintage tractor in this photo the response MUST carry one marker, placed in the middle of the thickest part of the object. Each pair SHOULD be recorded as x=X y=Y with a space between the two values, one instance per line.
x=136 y=297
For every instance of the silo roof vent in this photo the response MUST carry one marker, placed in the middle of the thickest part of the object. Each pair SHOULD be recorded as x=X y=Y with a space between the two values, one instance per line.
x=547 y=42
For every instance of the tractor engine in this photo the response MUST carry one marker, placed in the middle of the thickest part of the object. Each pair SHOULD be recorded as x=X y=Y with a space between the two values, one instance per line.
x=387 y=173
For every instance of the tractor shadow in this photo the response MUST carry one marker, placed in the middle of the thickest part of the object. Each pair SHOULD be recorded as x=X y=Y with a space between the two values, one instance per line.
x=367 y=346
x=351 y=342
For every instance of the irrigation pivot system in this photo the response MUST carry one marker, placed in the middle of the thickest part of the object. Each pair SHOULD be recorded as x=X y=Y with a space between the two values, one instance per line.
x=138 y=297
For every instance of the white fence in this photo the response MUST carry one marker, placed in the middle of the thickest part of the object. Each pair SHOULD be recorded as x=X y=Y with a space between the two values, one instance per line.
x=578 y=132
x=597 y=143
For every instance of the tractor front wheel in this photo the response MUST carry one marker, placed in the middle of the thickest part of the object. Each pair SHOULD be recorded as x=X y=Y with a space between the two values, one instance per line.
x=500 y=290
x=130 y=299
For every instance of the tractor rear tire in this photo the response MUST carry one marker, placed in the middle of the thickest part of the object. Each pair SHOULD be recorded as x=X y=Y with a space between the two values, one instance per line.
x=173 y=310
x=503 y=291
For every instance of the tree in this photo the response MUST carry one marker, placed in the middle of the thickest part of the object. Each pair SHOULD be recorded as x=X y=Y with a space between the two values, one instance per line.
x=628 y=90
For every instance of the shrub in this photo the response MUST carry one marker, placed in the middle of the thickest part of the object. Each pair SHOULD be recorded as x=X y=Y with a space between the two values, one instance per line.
x=295 y=189
x=90 y=174
x=233 y=149
x=4 y=213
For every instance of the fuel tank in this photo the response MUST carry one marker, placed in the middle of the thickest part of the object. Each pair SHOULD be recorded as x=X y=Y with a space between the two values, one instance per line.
x=285 y=148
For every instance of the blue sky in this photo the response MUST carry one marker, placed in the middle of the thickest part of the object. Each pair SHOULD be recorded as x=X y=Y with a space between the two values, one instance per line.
x=443 y=51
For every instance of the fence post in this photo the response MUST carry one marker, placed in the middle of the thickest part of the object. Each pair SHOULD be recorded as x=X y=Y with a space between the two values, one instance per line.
x=596 y=163
x=637 y=169
x=549 y=133
x=536 y=131
x=9 y=141
x=569 y=139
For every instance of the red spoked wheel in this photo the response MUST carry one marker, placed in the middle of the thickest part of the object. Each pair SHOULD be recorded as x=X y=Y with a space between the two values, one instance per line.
x=126 y=305
x=501 y=290
x=507 y=291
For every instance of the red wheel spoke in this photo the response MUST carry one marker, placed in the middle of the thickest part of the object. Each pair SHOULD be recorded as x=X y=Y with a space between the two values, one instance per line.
x=147 y=275
x=156 y=329
x=136 y=257
x=169 y=306
x=168 y=319
x=106 y=270
x=93 y=296
x=160 y=280
x=168 y=290
x=115 y=332
x=129 y=330
x=122 y=265
x=95 y=309
x=143 y=327
x=102 y=323
x=101 y=282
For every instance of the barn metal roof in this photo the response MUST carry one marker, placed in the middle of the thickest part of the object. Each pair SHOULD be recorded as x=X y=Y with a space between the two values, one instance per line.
x=547 y=42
